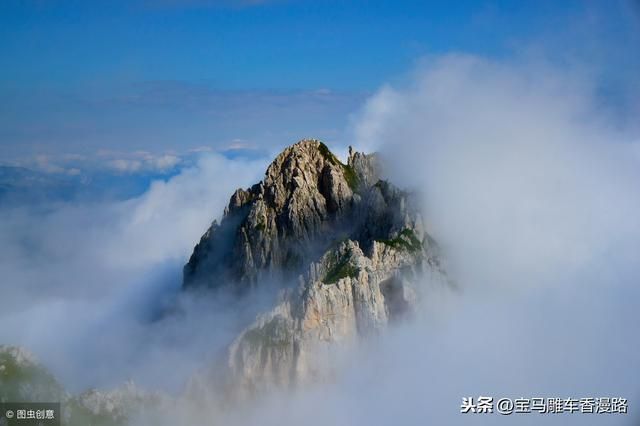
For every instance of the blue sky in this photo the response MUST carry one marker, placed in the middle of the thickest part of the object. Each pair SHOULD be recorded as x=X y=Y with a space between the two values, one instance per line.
x=80 y=77
x=235 y=45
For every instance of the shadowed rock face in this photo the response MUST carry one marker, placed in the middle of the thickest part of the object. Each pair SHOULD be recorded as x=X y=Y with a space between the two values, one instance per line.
x=355 y=245
x=277 y=226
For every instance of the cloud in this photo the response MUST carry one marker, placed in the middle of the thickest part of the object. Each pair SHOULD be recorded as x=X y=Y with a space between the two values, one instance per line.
x=142 y=161
x=81 y=281
x=529 y=184
x=532 y=192
x=166 y=116
x=46 y=164
x=511 y=153
x=128 y=166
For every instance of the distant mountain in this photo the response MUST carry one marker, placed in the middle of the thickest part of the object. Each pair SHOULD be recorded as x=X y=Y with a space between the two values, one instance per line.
x=23 y=186
x=347 y=250
x=24 y=379
x=354 y=245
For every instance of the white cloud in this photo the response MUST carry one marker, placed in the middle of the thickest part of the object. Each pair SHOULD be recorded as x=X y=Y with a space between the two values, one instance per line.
x=532 y=193
x=80 y=279
x=528 y=185
x=124 y=165
x=518 y=157
x=165 y=162
x=532 y=190
x=143 y=161
x=45 y=164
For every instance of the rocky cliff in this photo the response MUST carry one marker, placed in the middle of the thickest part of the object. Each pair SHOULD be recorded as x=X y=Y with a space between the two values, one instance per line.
x=274 y=228
x=354 y=245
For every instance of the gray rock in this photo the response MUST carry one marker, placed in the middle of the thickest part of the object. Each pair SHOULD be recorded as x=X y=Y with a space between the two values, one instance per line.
x=355 y=244
x=275 y=227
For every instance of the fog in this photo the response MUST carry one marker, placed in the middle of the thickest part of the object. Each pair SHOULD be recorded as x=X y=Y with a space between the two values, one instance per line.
x=81 y=282
x=530 y=185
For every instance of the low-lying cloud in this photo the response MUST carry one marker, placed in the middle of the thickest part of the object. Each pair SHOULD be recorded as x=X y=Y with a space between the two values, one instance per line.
x=80 y=281
x=530 y=186
x=531 y=191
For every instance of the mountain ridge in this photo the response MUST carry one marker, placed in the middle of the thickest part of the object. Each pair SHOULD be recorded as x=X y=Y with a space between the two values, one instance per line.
x=351 y=245
x=365 y=261
x=306 y=192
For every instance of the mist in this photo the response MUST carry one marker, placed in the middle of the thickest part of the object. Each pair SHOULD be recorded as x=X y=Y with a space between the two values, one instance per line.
x=530 y=185
x=83 y=282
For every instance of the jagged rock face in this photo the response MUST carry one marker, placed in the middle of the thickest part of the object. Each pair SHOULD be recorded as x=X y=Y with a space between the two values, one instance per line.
x=346 y=295
x=278 y=225
x=355 y=244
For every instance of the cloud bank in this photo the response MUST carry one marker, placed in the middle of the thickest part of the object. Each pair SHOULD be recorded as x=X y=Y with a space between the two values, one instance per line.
x=81 y=281
x=530 y=188
x=529 y=184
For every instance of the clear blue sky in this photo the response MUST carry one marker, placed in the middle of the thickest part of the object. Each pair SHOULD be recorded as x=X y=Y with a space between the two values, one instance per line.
x=270 y=44
x=143 y=74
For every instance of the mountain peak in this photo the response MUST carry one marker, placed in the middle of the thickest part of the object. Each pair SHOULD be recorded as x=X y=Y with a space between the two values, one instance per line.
x=354 y=245
x=306 y=169
x=276 y=226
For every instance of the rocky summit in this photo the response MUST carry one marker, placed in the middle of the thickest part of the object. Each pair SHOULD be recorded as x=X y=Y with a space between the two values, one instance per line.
x=349 y=248
x=273 y=229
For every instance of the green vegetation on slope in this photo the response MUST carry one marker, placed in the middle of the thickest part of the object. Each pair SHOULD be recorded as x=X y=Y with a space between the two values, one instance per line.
x=274 y=333
x=406 y=240
x=342 y=268
x=22 y=380
x=349 y=174
x=26 y=382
